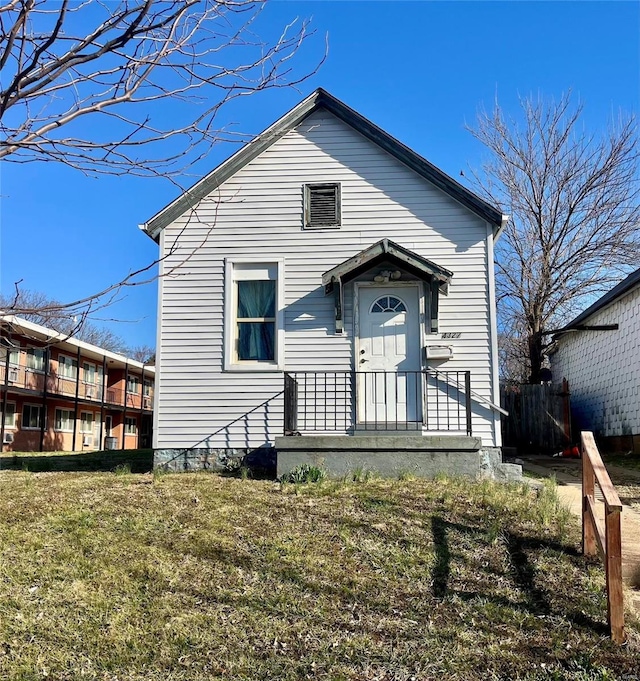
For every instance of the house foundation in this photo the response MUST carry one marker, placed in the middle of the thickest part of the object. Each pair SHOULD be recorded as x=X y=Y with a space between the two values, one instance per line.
x=217 y=460
x=387 y=455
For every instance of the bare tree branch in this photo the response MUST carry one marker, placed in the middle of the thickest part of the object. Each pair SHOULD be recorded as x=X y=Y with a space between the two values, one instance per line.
x=62 y=64
x=40 y=309
x=132 y=87
x=574 y=204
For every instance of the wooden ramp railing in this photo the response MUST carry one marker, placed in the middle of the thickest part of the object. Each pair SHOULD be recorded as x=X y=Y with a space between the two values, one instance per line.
x=608 y=539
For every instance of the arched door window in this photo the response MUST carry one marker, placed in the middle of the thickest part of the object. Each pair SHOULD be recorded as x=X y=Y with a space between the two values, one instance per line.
x=388 y=304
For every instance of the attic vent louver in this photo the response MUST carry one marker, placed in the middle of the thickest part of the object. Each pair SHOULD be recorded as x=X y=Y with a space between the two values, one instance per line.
x=321 y=205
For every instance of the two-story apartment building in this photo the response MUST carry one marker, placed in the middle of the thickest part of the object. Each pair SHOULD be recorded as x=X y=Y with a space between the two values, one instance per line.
x=61 y=394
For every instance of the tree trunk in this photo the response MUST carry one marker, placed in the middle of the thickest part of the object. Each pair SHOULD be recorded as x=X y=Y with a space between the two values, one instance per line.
x=535 y=357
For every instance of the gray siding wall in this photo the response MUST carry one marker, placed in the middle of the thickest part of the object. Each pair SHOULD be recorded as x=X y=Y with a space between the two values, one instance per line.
x=258 y=213
x=603 y=370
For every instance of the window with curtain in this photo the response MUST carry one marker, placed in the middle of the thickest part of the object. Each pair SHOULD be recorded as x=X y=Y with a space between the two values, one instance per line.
x=256 y=320
x=35 y=359
x=14 y=356
x=86 y=422
x=133 y=384
x=64 y=420
x=89 y=372
x=67 y=367
x=10 y=415
x=254 y=315
x=32 y=416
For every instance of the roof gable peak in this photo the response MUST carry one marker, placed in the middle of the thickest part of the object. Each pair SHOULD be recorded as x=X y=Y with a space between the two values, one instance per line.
x=321 y=99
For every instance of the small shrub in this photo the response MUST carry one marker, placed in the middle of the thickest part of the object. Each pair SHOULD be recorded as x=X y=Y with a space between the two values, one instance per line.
x=122 y=469
x=495 y=531
x=159 y=472
x=550 y=509
x=359 y=475
x=304 y=473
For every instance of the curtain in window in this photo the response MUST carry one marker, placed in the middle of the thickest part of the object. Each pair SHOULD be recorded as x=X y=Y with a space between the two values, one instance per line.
x=256 y=301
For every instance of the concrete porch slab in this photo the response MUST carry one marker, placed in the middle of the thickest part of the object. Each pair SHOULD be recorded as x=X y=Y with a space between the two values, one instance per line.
x=379 y=442
x=392 y=456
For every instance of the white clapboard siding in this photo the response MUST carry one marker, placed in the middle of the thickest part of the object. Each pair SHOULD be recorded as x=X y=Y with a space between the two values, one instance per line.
x=258 y=213
x=603 y=369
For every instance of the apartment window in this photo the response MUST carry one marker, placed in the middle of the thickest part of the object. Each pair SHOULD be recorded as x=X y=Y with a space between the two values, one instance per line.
x=64 y=420
x=35 y=359
x=32 y=416
x=322 y=205
x=133 y=384
x=14 y=356
x=67 y=367
x=253 y=302
x=86 y=422
x=10 y=415
x=89 y=372
x=147 y=388
x=130 y=426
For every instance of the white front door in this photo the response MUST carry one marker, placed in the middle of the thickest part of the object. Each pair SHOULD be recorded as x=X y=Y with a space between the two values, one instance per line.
x=388 y=356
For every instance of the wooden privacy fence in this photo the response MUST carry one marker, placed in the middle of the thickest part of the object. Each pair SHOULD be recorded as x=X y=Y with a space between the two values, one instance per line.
x=608 y=539
x=539 y=417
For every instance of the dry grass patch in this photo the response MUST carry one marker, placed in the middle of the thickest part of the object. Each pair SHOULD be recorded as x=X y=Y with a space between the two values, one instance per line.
x=196 y=576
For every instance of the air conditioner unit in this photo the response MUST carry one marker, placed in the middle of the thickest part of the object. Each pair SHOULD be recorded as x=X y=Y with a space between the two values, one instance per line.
x=8 y=439
x=146 y=403
x=90 y=391
x=87 y=441
x=13 y=375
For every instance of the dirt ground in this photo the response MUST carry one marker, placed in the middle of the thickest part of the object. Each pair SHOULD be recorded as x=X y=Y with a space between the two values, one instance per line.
x=568 y=473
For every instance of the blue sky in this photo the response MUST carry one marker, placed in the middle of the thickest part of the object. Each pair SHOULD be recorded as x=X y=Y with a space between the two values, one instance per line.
x=420 y=70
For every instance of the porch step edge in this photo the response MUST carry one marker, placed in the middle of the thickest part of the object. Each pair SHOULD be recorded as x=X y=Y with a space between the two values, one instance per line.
x=319 y=443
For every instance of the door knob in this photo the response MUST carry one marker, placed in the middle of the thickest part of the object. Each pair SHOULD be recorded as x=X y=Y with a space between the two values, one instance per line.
x=362 y=361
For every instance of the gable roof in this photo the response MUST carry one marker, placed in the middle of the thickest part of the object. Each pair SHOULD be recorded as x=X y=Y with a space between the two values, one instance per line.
x=321 y=99
x=610 y=297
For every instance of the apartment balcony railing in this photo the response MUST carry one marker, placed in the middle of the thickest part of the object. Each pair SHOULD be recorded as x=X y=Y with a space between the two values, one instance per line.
x=32 y=379
x=352 y=401
x=130 y=400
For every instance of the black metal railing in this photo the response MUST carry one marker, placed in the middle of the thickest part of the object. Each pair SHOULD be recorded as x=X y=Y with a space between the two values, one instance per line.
x=353 y=401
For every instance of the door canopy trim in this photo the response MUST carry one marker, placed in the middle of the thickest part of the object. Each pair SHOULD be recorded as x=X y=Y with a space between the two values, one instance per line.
x=385 y=251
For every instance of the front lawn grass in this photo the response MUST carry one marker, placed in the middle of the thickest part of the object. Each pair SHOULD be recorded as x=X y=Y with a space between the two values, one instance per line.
x=196 y=576
x=135 y=460
x=622 y=459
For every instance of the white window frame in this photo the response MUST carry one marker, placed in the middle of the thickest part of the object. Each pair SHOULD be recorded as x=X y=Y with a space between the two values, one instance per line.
x=43 y=417
x=64 y=363
x=14 y=356
x=84 y=373
x=83 y=414
x=136 y=381
x=128 y=422
x=30 y=353
x=234 y=272
x=12 y=425
x=71 y=421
